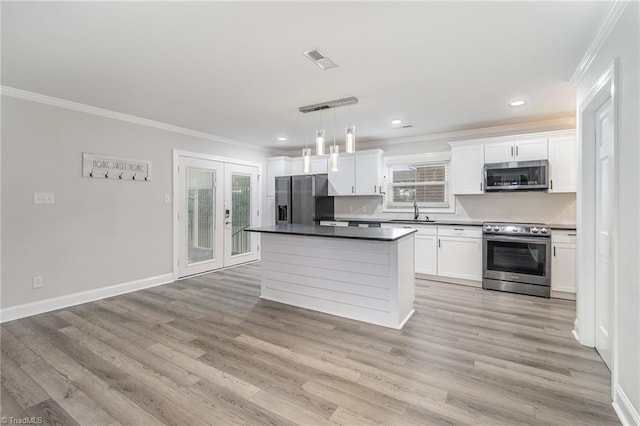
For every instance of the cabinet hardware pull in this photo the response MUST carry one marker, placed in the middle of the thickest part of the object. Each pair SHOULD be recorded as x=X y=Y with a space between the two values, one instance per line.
x=438 y=242
x=458 y=229
x=554 y=252
x=374 y=189
x=517 y=151
x=551 y=183
x=512 y=150
x=572 y=235
x=480 y=186
x=353 y=189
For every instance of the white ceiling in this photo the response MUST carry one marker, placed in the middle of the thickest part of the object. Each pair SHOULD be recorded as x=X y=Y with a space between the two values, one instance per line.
x=235 y=69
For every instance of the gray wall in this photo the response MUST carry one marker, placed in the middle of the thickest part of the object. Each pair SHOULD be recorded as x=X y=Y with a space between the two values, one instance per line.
x=99 y=232
x=623 y=43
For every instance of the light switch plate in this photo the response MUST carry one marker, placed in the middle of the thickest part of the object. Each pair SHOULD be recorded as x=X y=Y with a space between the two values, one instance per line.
x=38 y=281
x=44 y=198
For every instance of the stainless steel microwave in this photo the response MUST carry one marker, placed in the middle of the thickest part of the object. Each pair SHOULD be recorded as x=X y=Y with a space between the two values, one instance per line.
x=517 y=176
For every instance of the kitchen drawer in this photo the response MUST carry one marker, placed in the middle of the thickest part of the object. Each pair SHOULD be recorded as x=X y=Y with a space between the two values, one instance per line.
x=421 y=229
x=460 y=231
x=561 y=236
x=333 y=223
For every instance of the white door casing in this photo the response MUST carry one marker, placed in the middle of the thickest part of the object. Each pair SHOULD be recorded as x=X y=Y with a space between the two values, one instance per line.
x=604 y=201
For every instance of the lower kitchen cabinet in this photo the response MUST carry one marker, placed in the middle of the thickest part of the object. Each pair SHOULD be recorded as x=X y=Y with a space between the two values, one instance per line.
x=426 y=250
x=460 y=252
x=563 y=261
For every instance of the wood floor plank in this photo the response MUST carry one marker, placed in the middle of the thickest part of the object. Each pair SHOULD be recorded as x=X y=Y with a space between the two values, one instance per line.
x=208 y=350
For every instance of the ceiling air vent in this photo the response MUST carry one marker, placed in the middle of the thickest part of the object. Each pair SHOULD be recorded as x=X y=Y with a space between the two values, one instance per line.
x=319 y=59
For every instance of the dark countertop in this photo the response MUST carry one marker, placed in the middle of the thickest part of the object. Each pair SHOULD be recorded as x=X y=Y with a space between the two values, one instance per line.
x=376 y=234
x=563 y=227
x=568 y=227
x=407 y=222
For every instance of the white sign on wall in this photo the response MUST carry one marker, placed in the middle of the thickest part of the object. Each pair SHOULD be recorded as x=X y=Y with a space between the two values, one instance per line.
x=102 y=166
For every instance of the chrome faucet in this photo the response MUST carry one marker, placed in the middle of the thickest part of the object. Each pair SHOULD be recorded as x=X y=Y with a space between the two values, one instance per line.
x=416 y=210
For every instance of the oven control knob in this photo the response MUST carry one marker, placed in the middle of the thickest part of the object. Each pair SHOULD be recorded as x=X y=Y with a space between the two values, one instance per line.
x=543 y=231
x=534 y=230
x=515 y=229
x=496 y=228
x=487 y=228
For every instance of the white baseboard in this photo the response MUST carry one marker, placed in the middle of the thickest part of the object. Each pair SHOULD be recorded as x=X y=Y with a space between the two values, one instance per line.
x=28 y=309
x=625 y=410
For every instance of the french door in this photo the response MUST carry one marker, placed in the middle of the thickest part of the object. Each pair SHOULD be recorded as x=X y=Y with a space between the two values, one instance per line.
x=216 y=202
x=241 y=211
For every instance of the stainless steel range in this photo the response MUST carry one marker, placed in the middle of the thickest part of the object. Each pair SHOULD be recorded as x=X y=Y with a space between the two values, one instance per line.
x=517 y=258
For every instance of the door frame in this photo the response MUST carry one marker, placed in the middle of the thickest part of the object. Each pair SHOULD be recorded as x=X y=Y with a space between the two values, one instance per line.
x=174 y=191
x=585 y=323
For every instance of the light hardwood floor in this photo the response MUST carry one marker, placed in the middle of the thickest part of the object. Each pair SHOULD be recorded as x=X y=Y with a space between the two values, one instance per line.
x=207 y=350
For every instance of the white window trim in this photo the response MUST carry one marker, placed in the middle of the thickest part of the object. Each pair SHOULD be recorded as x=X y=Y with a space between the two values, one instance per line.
x=426 y=158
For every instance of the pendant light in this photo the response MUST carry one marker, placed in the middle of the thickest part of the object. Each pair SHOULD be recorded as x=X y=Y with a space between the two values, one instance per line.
x=334 y=150
x=320 y=138
x=350 y=136
x=306 y=151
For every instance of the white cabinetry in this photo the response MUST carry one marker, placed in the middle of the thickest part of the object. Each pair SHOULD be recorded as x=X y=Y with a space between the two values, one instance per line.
x=357 y=174
x=318 y=165
x=343 y=181
x=460 y=252
x=563 y=261
x=467 y=163
x=563 y=163
x=519 y=150
x=426 y=250
x=276 y=166
x=369 y=172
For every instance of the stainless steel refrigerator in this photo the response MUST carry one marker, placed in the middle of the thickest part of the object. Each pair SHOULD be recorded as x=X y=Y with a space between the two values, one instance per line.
x=303 y=199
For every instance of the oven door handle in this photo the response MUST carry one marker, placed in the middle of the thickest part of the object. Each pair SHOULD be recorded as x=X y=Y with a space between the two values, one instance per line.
x=509 y=239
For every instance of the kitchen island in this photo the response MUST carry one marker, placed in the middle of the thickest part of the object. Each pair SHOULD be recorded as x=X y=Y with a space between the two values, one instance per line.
x=366 y=274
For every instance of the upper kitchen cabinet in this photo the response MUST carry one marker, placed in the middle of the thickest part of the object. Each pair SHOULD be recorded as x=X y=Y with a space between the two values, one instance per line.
x=563 y=163
x=317 y=166
x=343 y=181
x=277 y=166
x=518 y=150
x=369 y=172
x=357 y=174
x=467 y=164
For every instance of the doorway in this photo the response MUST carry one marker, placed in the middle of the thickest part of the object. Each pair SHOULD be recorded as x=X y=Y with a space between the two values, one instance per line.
x=215 y=200
x=596 y=322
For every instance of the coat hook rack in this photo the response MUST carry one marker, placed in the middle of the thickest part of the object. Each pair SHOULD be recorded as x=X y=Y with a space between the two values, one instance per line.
x=115 y=168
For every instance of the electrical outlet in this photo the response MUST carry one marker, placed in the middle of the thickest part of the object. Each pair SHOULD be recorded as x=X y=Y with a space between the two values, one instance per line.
x=44 y=198
x=38 y=281
x=167 y=198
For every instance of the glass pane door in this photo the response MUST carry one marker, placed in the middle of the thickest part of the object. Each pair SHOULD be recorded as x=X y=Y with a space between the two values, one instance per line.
x=517 y=257
x=241 y=212
x=200 y=216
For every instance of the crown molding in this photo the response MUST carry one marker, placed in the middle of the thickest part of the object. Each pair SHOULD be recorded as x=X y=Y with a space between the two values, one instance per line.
x=557 y=123
x=89 y=109
x=600 y=36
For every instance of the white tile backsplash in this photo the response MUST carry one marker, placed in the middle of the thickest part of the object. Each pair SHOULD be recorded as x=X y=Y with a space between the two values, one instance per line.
x=504 y=206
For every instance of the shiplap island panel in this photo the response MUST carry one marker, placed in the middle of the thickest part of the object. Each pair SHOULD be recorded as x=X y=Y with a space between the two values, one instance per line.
x=366 y=274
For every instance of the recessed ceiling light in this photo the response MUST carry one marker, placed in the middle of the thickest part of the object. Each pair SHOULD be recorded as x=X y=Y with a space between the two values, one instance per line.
x=282 y=139
x=518 y=102
x=396 y=122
